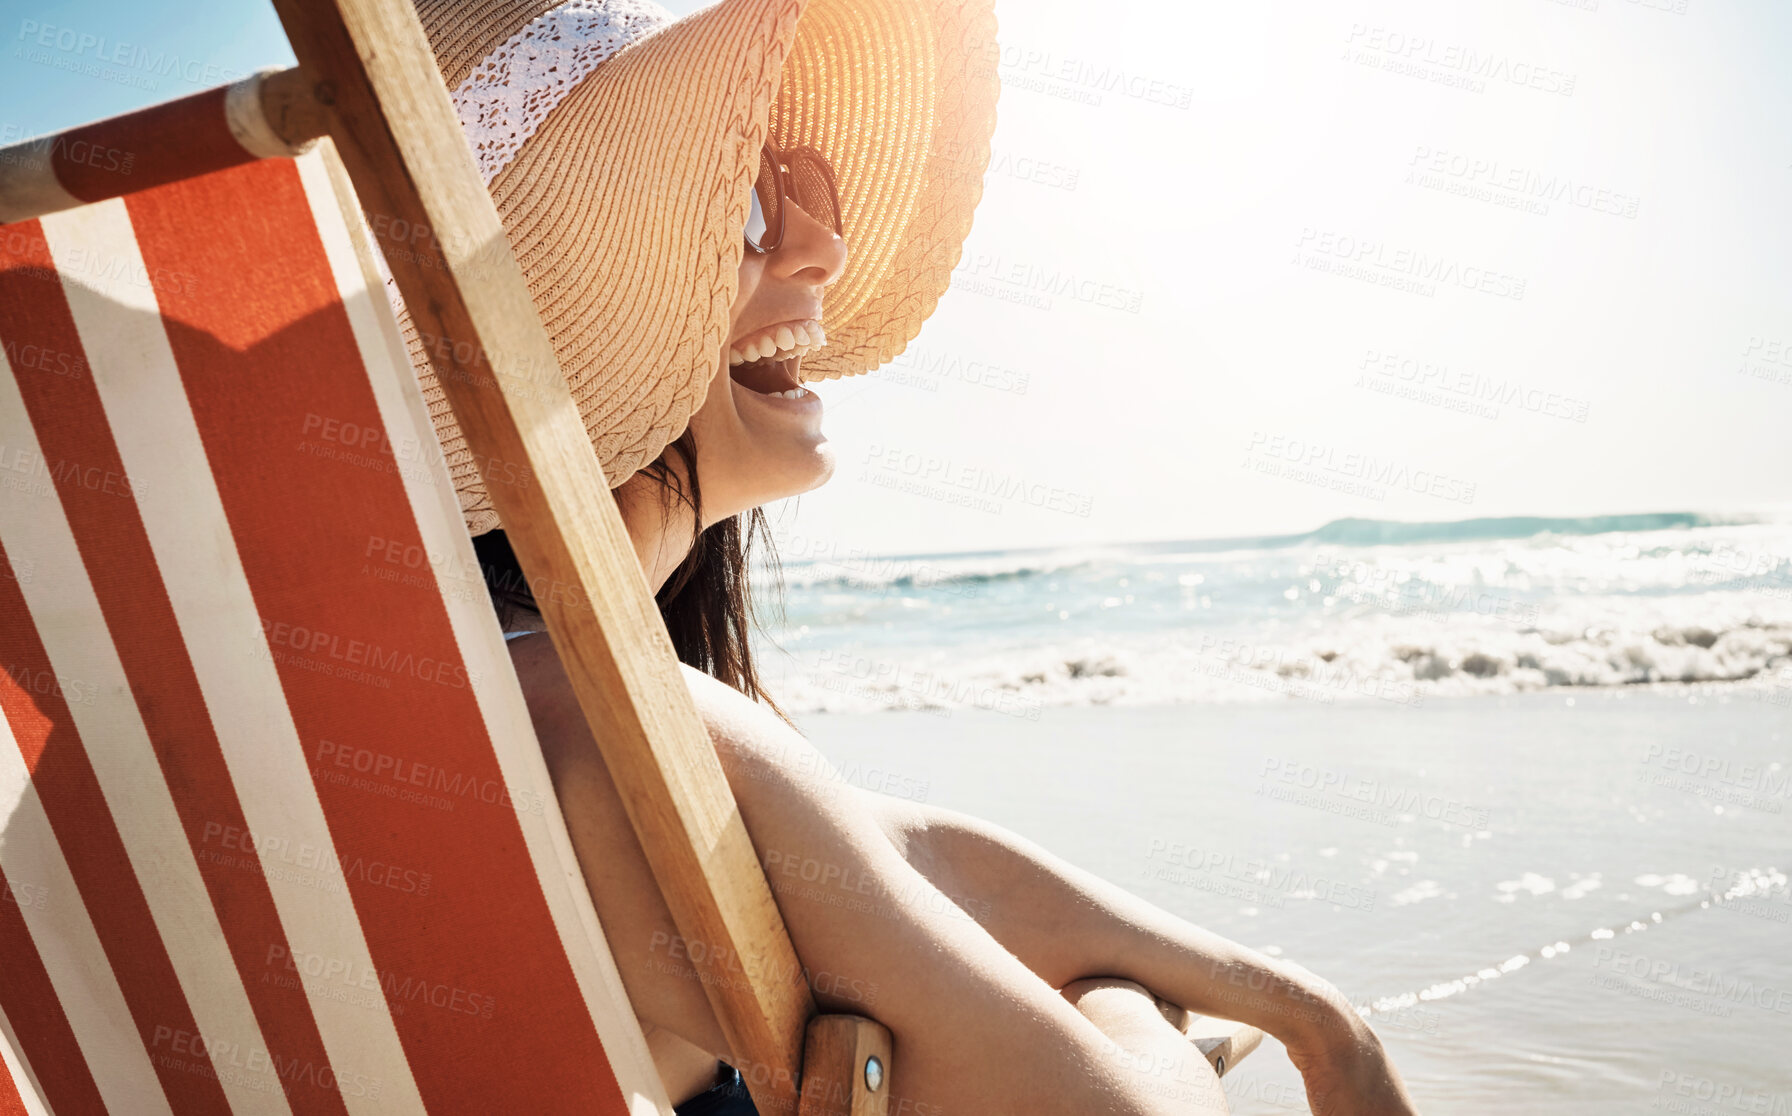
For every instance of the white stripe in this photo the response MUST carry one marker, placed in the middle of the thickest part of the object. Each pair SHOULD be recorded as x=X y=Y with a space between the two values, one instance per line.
x=60 y=928
x=72 y=955
x=159 y=443
x=501 y=704
x=79 y=646
x=23 y=1079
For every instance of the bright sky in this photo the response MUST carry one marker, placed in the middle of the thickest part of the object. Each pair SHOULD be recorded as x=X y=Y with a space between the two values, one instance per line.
x=1562 y=224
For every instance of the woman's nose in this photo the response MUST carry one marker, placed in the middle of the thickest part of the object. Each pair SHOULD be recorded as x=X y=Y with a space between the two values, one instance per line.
x=811 y=251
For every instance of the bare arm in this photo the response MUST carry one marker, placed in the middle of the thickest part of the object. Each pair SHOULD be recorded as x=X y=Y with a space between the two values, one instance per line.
x=1067 y=924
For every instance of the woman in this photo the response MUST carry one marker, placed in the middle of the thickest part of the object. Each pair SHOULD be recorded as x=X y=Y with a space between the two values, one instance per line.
x=1012 y=981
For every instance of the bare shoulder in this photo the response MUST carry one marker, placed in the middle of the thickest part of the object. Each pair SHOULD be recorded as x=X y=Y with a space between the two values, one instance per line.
x=759 y=750
x=538 y=671
x=738 y=723
x=725 y=711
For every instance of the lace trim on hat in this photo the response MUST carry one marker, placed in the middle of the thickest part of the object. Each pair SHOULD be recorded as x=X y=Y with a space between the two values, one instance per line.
x=507 y=96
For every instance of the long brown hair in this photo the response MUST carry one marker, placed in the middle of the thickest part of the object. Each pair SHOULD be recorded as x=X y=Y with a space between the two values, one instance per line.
x=707 y=603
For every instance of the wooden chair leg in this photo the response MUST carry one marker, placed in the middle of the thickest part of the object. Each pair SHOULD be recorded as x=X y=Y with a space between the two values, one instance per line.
x=846 y=1067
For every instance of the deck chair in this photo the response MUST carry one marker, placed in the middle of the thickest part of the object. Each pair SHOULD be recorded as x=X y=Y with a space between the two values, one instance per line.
x=277 y=834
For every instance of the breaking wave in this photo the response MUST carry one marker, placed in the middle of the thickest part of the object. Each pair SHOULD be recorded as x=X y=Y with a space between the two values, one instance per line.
x=1357 y=610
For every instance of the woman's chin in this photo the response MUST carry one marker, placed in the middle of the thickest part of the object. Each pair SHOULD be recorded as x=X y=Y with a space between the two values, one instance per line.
x=800 y=470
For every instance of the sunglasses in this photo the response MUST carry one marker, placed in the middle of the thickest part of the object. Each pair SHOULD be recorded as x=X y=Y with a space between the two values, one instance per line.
x=802 y=177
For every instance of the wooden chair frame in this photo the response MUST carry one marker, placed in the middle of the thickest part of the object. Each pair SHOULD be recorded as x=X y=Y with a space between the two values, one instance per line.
x=395 y=128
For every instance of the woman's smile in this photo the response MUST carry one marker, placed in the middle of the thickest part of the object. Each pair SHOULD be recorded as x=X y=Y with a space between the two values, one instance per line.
x=767 y=362
x=797 y=337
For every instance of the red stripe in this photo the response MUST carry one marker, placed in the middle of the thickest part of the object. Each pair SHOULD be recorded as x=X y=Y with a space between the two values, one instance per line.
x=72 y=430
x=35 y=1012
x=481 y=992
x=11 y=1104
x=34 y=312
x=151 y=147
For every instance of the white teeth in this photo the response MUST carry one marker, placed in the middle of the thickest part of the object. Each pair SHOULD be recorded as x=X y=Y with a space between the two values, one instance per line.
x=793 y=393
x=782 y=343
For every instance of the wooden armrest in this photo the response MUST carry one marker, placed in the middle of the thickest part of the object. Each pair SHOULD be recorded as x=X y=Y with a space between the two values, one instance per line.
x=1221 y=1041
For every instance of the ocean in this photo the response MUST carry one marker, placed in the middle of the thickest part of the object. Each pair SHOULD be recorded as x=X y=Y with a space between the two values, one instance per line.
x=1520 y=787
x=1359 y=610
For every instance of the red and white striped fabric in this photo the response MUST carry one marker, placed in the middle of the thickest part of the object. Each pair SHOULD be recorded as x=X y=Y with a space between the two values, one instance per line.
x=278 y=836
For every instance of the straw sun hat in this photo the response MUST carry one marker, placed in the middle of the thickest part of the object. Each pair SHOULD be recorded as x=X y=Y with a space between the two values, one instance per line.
x=621 y=144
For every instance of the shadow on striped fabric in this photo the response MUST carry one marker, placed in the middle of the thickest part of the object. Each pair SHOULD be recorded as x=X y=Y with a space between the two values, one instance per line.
x=277 y=833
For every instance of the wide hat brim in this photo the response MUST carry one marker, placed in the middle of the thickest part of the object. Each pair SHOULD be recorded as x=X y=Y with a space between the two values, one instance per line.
x=626 y=208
